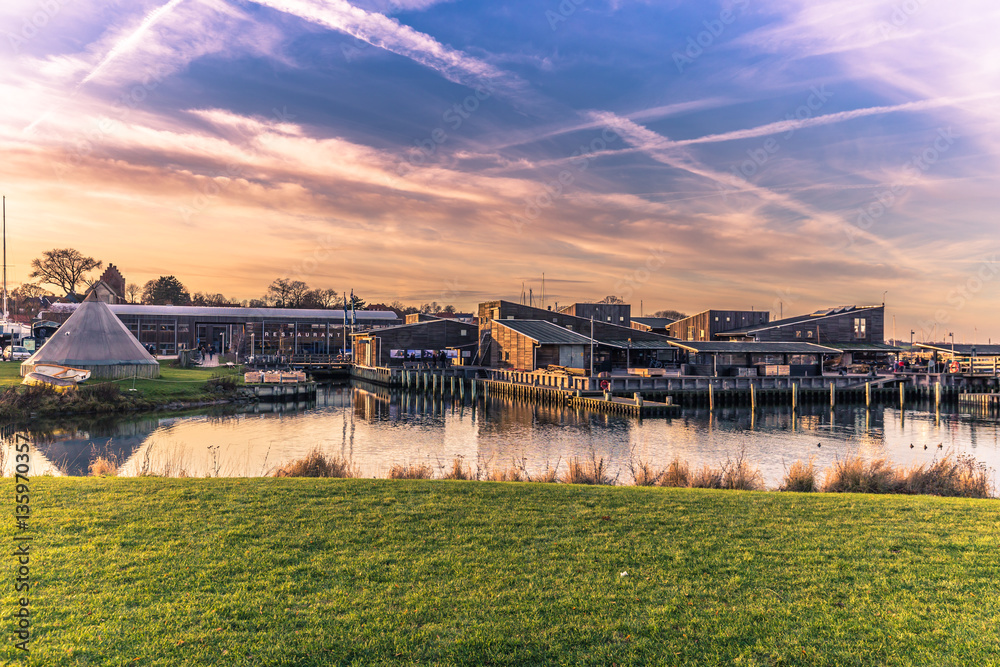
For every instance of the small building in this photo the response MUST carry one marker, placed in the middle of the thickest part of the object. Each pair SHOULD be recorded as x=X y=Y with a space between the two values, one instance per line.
x=527 y=345
x=110 y=287
x=961 y=357
x=94 y=339
x=749 y=359
x=709 y=324
x=392 y=346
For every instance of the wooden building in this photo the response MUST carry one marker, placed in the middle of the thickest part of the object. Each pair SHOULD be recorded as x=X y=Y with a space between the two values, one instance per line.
x=749 y=359
x=611 y=313
x=845 y=324
x=709 y=324
x=393 y=346
x=526 y=345
x=617 y=346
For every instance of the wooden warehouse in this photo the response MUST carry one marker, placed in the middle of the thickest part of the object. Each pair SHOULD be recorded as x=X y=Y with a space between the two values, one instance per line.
x=615 y=343
x=526 y=345
x=844 y=324
x=745 y=359
x=392 y=346
x=709 y=324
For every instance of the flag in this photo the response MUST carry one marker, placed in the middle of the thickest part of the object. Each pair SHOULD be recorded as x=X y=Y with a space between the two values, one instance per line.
x=354 y=316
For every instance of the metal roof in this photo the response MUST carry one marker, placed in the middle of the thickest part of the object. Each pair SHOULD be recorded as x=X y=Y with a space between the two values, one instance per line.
x=428 y=323
x=777 y=347
x=963 y=350
x=864 y=347
x=655 y=322
x=637 y=344
x=544 y=333
x=250 y=313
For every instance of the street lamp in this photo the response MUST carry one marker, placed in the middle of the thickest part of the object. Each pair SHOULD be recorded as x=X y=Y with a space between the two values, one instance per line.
x=628 y=356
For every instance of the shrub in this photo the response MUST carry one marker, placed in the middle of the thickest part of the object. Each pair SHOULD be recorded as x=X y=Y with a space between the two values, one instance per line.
x=411 y=471
x=318 y=464
x=594 y=471
x=800 y=477
x=961 y=476
x=854 y=475
x=739 y=475
x=677 y=473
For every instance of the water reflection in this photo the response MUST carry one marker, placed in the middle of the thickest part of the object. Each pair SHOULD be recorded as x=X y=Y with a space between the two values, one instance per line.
x=377 y=428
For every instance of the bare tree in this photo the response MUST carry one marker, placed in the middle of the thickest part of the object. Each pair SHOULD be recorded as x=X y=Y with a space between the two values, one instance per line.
x=63 y=267
x=287 y=293
x=132 y=292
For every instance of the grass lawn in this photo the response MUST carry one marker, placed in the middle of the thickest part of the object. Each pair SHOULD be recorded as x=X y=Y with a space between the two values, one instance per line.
x=174 y=384
x=154 y=571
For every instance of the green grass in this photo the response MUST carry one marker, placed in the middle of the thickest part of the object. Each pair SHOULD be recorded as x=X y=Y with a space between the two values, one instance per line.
x=173 y=385
x=319 y=572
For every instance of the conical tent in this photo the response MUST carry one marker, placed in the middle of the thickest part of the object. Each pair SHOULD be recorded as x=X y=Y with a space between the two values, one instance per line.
x=94 y=339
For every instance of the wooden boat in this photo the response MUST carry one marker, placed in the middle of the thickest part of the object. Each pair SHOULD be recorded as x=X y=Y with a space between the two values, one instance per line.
x=60 y=385
x=63 y=372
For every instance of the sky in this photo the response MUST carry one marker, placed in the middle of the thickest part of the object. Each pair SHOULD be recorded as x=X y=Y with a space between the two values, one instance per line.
x=786 y=155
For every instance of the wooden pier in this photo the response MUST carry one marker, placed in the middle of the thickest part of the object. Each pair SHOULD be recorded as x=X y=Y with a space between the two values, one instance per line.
x=635 y=394
x=982 y=401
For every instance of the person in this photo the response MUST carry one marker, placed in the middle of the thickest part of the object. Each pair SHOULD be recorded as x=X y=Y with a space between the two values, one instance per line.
x=211 y=352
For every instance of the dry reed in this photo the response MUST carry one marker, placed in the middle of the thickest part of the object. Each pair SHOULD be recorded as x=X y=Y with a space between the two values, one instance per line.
x=104 y=466
x=677 y=473
x=594 y=471
x=318 y=464
x=411 y=471
x=960 y=476
x=855 y=475
x=458 y=470
x=800 y=477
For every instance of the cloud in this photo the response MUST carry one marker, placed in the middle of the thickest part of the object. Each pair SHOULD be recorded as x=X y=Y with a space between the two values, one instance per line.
x=391 y=35
x=133 y=39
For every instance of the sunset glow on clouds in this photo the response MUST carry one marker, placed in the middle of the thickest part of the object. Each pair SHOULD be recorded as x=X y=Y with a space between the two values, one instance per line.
x=689 y=155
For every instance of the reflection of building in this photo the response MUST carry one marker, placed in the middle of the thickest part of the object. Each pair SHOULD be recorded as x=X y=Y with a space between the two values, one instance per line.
x=269 y=330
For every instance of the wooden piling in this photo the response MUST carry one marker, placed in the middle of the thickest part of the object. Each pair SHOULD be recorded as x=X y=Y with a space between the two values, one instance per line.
x=868 y=394
x=937 y=394
x=711 y=397
x=795 y=396
x=753 y=397
x=833 y=393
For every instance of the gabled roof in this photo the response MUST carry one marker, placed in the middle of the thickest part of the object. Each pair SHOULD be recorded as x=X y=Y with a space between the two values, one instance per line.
x=440 y=323
x=777 y=347
x=544 y=333
x=637 y=344
x=798 y=319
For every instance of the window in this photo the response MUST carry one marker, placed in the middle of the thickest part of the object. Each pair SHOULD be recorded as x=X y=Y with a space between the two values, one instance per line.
x=727 y=319
x=463 y=332
x=609 y=319
x=702 y=333
x=798 y=334
x=716 y=318
x=860 y=327
x=569 y=326
x=621 y=319
x=809 y=334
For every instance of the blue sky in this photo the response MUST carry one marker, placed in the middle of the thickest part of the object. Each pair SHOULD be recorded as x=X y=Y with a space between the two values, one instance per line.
x=787 y=155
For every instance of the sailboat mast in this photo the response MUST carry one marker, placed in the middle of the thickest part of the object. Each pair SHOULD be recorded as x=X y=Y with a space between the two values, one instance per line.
x=5 y=259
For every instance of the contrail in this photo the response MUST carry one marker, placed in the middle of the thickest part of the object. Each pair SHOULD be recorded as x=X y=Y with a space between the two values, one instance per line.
x=123 y=46
x=129 y=43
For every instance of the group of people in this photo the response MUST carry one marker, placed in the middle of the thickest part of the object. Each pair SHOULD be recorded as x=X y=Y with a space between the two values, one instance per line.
x=207 y=352
x=437 y=358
